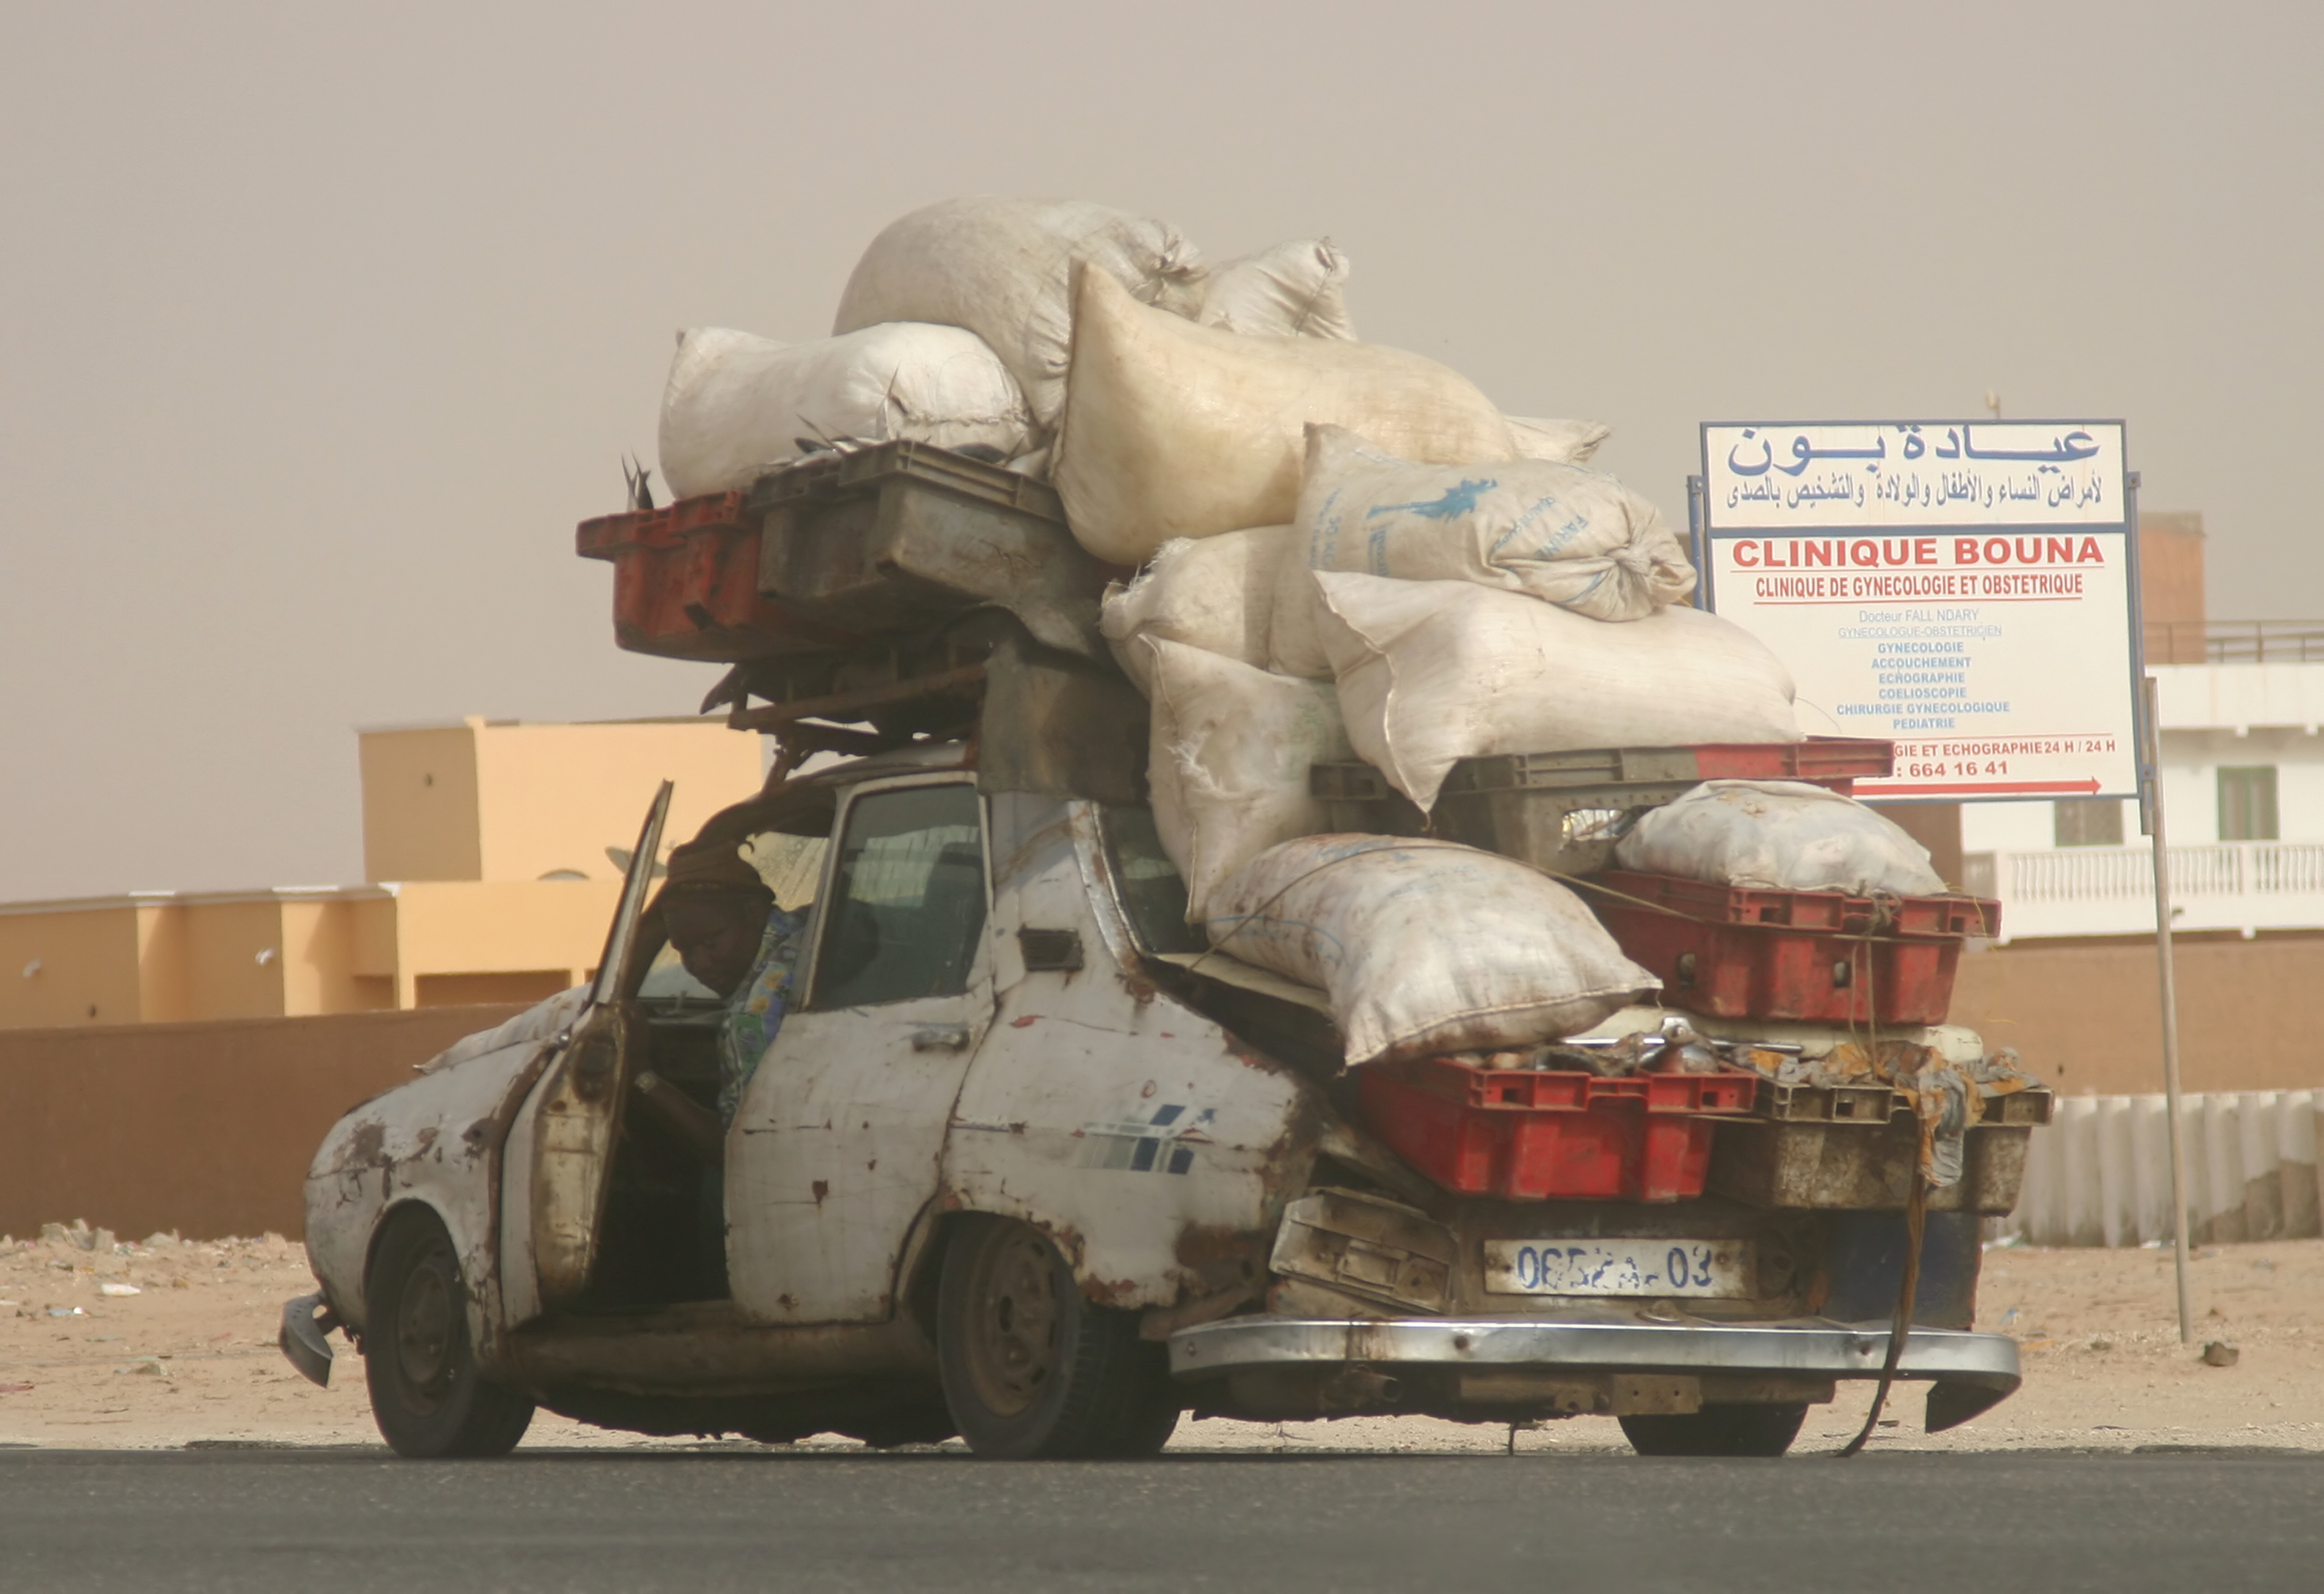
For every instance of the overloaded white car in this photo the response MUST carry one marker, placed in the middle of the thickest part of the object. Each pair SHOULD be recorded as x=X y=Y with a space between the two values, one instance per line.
x=1028 y=1164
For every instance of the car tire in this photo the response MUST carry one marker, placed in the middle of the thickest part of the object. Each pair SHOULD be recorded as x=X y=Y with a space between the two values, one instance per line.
x=427 y=1394
x=1031 y=1370
x=1717 y=1431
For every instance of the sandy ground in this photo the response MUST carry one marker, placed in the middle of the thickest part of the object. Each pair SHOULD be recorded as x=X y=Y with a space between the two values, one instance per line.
x=189 y=1359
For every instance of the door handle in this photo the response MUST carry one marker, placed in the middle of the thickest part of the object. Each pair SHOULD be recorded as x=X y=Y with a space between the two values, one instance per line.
x=940 y=1037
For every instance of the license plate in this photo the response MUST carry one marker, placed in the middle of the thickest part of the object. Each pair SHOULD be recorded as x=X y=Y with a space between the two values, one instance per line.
x=1689 y=1268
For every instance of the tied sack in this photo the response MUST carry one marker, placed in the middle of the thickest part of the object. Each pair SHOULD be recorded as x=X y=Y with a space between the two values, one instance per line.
x=1425 y=946
x=737 y=404
x=1559 y=533
x=1291 y=291
x=1003 y=269
x=1431 y=673
x=1779 y=836
x=1216 y=594
x=1175 y=430
x=1227 y=770
x=1568 y=442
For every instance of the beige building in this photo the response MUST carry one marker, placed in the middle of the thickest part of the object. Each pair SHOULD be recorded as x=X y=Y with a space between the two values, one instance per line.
x=492 y=850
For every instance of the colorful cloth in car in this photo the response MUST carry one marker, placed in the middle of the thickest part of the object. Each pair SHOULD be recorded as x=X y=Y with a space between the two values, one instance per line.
x=755 y=1012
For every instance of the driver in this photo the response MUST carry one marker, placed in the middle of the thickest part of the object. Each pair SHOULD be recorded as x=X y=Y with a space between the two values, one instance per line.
x=734 y=938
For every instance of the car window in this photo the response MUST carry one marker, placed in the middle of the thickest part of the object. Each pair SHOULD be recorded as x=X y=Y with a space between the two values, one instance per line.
x=1153 y=895
x=907 y=905
x=791 y=866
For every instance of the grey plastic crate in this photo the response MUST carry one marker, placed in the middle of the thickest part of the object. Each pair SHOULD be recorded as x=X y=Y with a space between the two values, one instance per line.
x=889 y=540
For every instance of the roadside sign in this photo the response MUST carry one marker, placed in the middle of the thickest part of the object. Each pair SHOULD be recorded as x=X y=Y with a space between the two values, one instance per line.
x=1965 y=589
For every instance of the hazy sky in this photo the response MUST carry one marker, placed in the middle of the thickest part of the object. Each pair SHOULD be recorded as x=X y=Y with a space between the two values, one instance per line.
x=321 y=326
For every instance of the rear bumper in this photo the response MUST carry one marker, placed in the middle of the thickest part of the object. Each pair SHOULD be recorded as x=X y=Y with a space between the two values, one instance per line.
x=1968 y=1372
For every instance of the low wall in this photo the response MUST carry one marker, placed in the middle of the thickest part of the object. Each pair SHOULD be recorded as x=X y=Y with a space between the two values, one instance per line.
x=2100 y=1173
x=2086 y=1018
x=204 y=1129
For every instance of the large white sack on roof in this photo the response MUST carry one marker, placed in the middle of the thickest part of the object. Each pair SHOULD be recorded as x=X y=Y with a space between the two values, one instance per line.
x=1295 y=290
x=1569 y=442
x=1173 y=430
x=1216 y=594
x=1003 y=269
x=1779 y=836
x=737 y=403
x=1559 y=533
x=1425 y=946
x=1295 y=638
x=1227 y=770
x=1431 y=673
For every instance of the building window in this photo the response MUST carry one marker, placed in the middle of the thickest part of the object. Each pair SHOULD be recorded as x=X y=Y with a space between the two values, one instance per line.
x=2093 y=821
x=2248 y=802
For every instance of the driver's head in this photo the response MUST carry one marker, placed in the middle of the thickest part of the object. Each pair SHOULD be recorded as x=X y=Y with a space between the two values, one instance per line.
x=715 y=911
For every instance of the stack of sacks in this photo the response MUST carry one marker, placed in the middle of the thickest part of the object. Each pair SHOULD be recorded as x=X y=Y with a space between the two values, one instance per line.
x=1779 y=836
x=955 y=329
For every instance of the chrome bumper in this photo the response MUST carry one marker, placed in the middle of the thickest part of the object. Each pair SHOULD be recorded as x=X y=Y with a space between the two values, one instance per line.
x=1970 y=1372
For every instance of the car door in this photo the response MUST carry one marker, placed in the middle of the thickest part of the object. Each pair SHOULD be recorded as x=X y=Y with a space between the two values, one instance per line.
x=576 y=1110
x=836 y=1148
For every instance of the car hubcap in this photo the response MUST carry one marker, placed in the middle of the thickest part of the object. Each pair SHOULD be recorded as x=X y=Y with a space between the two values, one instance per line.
x=1015 y=1318
x=424 y=1330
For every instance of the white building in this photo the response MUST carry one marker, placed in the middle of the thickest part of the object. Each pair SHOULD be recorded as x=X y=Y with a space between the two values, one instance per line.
x=2243 y=783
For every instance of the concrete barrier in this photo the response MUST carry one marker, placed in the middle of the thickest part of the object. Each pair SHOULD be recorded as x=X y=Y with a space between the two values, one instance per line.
x=2100 y=1173
x=204 y=1129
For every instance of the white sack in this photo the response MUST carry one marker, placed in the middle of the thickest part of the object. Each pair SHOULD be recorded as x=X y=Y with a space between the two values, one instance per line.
x=1425 y=946
x=1291 y=291
x=1173 y=430
x=1559 y=533
x=1433 y=672
x=736 y=404
x=1568 y=442
x=1780 y=836
x=1003 y=269
x=1294 y=639
x=1216 y=594
x=1227 y=770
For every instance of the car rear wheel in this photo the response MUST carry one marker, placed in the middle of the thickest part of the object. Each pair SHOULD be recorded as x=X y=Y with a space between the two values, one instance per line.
x=426 y=1393
x=1031 y=1370
x=1717 y=1431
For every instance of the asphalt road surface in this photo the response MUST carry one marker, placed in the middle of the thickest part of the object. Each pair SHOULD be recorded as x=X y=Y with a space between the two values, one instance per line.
x=348 y=1522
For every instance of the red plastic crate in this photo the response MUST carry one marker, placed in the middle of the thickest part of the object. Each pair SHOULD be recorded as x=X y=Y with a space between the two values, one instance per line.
x=686 y=581
x=1816 y=956
x=1837 y=761
x=1545 y=1134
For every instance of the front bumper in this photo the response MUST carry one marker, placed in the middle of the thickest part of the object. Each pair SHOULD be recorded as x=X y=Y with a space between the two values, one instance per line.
x=1968 y=1373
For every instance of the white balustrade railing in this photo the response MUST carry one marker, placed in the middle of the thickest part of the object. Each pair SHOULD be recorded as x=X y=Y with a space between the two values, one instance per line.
x=2247 y=885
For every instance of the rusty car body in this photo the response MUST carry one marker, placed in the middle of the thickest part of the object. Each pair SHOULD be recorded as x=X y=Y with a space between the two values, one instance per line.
x=1036 y=1168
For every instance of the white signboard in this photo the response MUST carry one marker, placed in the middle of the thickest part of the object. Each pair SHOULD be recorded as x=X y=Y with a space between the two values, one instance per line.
x=1961 y=589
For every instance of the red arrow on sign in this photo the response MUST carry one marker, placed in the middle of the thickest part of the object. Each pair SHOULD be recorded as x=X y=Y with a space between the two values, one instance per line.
x=1877 y=791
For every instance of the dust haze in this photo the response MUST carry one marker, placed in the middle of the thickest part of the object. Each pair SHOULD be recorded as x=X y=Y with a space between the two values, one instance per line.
x=321 y=331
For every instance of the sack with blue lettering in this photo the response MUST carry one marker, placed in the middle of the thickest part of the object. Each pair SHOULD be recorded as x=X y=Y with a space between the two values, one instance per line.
x=1558 y=531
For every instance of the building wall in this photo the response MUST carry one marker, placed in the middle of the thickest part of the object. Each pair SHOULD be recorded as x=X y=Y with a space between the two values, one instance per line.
x=76 y=966
x=555 y=797
x=2086 y=1018
x=420 y=804
x=486 y=801
x=204 y=1128
x=2170 y=582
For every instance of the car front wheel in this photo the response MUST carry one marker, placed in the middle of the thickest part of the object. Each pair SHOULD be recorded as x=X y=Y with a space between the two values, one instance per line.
x=1031 y=1370
x=426 y=1393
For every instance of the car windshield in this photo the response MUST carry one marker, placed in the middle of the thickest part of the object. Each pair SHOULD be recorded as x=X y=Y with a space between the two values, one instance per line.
x=1153 y=895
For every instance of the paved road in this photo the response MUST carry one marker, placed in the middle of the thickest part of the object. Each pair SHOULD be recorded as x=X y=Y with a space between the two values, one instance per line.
x=348 y=1522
